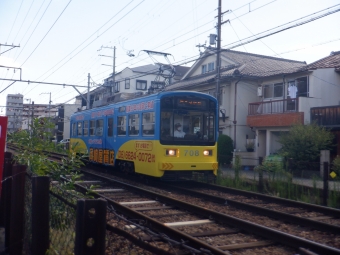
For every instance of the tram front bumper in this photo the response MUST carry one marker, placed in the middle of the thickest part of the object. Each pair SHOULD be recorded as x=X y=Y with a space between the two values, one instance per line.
x=185 y=166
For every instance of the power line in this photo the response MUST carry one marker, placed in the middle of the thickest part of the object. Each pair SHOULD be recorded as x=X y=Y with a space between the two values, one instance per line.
x=47 y=32
x=82 y=44
x=283 y=29
x=23 y=20
x=15 y=20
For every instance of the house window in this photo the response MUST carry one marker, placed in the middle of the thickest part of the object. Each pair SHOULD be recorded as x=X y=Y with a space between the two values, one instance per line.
x=273 y=90
x=204 y=69
x=117 y=86
x=302 y=87
x=141 y=85
x=127 y=83
x=211 y=67
x=208 y=67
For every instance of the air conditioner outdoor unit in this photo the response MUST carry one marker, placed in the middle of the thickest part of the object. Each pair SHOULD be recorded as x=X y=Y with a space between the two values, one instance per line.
x=259 y=91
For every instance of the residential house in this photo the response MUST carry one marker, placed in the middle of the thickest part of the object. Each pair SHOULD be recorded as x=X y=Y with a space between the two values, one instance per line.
x=36 y=111
x=132 y=82
x=14 y=106
x=326 y=76
x=247 y=78
x=63 y=125
x=314 y=86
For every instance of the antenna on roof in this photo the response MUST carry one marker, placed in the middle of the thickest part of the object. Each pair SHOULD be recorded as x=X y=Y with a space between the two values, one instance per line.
x=201 y=46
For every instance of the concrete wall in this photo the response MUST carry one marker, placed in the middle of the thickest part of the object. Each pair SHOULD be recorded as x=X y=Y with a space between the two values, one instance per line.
x=324 y=84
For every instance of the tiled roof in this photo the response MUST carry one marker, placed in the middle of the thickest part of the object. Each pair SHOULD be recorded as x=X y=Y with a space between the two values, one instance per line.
x=255 y=65
x=247 y=65
x=331 y=61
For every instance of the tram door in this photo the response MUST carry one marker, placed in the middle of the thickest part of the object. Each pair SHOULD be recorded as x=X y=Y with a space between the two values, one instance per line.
x=108 y=144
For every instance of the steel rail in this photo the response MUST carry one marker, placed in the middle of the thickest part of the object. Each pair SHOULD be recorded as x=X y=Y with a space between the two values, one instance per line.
x=154 y=224
x=316 y=208
x=257 y=209
x=278 y=236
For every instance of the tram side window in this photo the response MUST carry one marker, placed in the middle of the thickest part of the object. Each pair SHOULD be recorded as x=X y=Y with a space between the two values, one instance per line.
x=80 y=129
x=121 y=125
x=148 y=123
x=134 y=124
x=110 y=127
x=99 y=127
x=74 y=129
x=86 y=128
x=92 y=127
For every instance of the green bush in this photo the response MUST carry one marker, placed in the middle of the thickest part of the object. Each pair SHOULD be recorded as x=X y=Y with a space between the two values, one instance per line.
x=336 y=165
x=224 y=149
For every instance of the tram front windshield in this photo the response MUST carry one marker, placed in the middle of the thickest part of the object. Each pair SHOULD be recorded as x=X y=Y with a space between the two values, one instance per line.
x=188 y=120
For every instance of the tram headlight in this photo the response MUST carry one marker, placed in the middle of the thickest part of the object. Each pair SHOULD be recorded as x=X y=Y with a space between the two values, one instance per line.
x=207 y=152
x=171 y=152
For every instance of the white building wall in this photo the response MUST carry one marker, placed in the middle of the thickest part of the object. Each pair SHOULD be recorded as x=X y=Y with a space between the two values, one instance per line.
x=245 y=94
x=69 y=109
x=324 y=84
x=134 y=76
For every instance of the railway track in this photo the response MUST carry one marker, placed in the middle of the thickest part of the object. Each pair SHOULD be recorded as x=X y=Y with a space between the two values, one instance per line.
x=200 y=227
x=313 y=216
x=222 y=228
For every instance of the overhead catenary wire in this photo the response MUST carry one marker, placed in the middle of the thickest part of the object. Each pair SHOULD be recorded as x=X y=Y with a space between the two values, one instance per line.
x=69 y=55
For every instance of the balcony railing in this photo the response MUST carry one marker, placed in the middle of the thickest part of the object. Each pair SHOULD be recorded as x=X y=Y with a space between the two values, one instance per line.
x=328 y=116
x=273 y=107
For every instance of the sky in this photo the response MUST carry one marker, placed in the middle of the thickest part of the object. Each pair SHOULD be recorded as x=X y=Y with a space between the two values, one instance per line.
x=61 y=40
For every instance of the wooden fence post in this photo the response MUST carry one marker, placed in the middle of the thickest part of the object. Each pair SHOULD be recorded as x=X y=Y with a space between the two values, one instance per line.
x=90 y=227
x=325 y=183
x=16 y=233
x=40 y=215
x=260 y=175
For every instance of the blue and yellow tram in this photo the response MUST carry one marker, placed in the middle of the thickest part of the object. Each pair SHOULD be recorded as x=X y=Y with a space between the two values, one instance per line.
x=166 y=135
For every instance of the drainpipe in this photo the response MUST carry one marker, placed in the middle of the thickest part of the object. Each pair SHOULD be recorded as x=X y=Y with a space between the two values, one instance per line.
x=235 y=121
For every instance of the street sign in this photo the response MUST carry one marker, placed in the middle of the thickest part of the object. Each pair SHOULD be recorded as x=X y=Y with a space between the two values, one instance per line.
x=333 y=174
x=3 y=132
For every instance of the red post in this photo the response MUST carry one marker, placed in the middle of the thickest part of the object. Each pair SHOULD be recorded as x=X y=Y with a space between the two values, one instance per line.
x=3 y=132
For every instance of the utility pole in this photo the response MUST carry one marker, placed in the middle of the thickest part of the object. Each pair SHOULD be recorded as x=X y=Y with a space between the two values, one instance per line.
x=113 y=64
x=49 y=113
x=28 y=113
x=88 y=92
x=32 y=118
x=218 y=60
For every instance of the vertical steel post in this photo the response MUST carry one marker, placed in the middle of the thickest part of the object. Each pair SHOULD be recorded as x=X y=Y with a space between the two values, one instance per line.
x=40 y=215
x=325 y=184
x=90 y=227
x=88 y=92
x=260 y=175
x=16 y=233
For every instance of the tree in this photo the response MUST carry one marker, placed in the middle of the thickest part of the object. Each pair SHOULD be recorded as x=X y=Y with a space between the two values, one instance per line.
x=304 y=142
x=224 y=149
x=34 y=148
